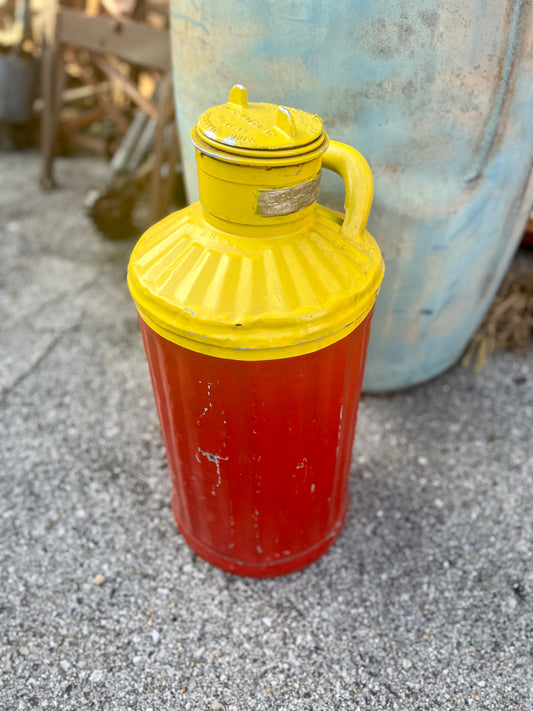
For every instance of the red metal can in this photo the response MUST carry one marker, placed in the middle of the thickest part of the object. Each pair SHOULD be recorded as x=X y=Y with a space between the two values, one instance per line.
x=255 y=307
x=259 y=451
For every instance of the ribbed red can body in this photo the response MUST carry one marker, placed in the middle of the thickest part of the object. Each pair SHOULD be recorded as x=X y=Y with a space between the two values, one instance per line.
x=259 y=451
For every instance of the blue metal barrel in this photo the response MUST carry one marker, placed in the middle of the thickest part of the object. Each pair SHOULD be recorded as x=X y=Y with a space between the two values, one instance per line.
x=439 y=99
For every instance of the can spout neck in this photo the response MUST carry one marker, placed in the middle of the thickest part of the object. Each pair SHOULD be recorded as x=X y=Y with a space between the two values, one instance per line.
x=269 y=197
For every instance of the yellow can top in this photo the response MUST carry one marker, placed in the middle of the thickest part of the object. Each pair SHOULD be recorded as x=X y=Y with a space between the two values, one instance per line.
x=240 y=127
x=257 y=270
x=257 y=297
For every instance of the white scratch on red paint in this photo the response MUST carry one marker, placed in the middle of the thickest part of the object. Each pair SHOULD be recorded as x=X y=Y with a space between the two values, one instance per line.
x=216 y=459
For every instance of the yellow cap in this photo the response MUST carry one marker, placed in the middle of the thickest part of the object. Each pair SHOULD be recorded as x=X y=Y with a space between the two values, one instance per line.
x=257 y=129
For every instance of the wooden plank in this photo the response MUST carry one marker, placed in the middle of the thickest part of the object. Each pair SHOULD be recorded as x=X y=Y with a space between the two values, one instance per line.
x=51 y=67
x=74 y=94
x=92 y=7
x=131 y=41
x=127 y=85
x=120 y=162
x=94 y=144
x=81 y=120
x=87 y=77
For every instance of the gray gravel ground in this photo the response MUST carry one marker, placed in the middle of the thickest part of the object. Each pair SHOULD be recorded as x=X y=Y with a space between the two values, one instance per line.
x=425 y=602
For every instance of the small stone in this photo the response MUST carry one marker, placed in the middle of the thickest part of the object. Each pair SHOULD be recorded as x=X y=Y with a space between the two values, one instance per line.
x=406 y=663
x=65 y=665
x=155 y=636
x=97 y=676
x=99 y=579
x=422 y=461
x=217 y=706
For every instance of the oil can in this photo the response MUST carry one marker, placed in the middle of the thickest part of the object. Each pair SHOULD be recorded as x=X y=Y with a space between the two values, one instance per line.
x=255 y=306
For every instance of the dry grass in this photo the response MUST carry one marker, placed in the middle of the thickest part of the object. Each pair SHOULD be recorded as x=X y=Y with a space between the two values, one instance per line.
x=509 y=323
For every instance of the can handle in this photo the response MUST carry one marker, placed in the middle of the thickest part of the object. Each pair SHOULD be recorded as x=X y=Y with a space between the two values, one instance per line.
x=357 y=176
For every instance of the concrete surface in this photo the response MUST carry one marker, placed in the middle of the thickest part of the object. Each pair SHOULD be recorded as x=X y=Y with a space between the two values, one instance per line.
x=425 y=602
